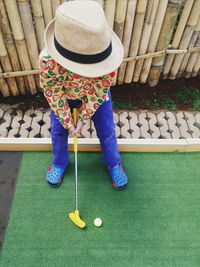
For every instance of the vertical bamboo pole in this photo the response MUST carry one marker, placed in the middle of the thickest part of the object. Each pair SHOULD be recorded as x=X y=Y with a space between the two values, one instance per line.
x=6 y=65
x=127 y=36
x=30 y=36
x=10 y=45
x=109 y=9
x=119 y=21
x=192 y=60
x=154 y=38
x=55 y=4
x=135 y=38
x=3 y=85
x=47 y=9
x=29 y=31
x=169 y=22
x=177 y=37
x=196 y=67
x=39 y=21
x=15 y=22
x=147 y=29
x=101 y=2
x=191 y=23
x=191 y=44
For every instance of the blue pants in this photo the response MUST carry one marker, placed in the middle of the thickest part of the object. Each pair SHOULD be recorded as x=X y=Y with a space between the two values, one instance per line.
x=105 y=128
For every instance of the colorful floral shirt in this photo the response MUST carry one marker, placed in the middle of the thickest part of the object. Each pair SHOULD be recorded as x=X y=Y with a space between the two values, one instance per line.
x=60 y=84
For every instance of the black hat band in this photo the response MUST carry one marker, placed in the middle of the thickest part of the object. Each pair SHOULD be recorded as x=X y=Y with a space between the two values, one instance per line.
x=82 y=58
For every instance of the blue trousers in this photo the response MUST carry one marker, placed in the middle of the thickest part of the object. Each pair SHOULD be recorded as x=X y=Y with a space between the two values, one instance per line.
x=105 y=128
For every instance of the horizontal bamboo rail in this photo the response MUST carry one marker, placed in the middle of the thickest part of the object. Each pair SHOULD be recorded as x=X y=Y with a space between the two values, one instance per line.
x=149 y=55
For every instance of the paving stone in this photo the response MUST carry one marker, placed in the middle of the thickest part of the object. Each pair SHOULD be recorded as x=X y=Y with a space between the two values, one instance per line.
x=144 y=125
x=45 y=128
x=172 y=124
x=36 y=127
x=133 y=121
x=85 y=133
x=93 y=130
x=117 y=127
x=36 y=123
x=7 y=119
x=163 y=125
x=125 y=126
x=182 y=124
x=1 y=112
x=153 y=128
x=15 y=125
x=26 y=126
x=193 y=130
x=197 y=120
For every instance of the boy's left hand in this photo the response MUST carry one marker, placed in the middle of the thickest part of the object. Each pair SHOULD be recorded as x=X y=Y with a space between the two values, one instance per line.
x=78 y=129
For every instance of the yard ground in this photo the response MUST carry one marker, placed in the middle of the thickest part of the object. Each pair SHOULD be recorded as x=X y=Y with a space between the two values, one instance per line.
x=154 y=222
x=179 y=94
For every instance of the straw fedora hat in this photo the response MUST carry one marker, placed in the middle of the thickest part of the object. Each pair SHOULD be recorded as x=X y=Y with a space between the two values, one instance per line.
x=80 y=40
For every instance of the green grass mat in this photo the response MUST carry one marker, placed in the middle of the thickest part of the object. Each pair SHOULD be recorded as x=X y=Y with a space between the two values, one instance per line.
x=154 y=222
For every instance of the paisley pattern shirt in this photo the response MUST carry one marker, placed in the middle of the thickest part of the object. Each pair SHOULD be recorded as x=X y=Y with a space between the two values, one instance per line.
x=59 y=84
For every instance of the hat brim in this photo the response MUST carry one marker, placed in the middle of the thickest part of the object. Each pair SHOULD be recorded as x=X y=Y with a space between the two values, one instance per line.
x=111 y=63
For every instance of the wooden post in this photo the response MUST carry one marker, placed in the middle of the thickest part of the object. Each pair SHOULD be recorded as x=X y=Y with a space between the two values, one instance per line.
x=193 y=57
x=177 y=37
x=101 y=2
x=29 y=31
x=10 y=45
x=3 y=85
x=47 y=9
x=120 y=15
x=148 y=25
x=192 y=60
x=55 y=4
x=6 y=65
x=196 y=67
x=163 y=40
x=135 y=38
x=191 y=23
x=39 y=21
x=15 y=22
x=109 y=9
x=154 y=38
x=127 y=36
x=191 y=44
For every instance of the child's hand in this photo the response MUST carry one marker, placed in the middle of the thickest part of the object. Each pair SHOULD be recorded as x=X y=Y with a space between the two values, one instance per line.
x=71 y=130
x=78 y=129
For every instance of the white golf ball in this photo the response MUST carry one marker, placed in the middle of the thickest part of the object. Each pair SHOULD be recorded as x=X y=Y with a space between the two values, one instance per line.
x=98 y=222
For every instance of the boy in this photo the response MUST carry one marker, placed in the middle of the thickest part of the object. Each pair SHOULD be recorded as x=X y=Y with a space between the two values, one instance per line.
x=76 y=70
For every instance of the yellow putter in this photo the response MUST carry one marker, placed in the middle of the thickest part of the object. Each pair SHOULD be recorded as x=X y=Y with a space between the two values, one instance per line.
x=74 y=216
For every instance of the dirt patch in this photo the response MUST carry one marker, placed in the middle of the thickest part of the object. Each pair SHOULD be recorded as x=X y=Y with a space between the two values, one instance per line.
x=126 y=96
x=142 y=96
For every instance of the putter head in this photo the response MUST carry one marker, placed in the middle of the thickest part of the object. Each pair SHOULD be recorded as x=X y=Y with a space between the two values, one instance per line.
x=75 y=218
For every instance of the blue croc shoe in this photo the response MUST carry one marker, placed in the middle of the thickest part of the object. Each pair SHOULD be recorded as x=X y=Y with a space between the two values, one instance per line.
x=54 y=175
x=118 y=177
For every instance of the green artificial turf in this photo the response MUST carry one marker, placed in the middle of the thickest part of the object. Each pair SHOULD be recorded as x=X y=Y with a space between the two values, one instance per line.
x=154 y=222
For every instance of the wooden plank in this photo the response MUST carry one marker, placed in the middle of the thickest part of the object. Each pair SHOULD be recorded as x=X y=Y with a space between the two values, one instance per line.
x=92 y=144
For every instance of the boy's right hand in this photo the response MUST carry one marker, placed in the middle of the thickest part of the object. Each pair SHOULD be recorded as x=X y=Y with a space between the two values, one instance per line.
x=76 y=131
x=71 y=131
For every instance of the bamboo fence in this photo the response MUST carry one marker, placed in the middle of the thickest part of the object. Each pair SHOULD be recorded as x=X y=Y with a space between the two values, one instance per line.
x=161 y=39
